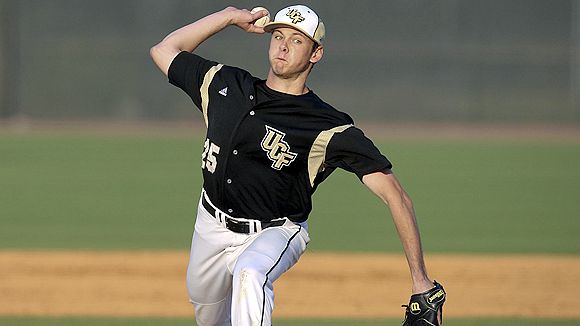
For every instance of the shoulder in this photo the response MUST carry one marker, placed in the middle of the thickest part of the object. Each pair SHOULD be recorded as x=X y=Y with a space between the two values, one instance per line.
x=238 y=73
x=339 y=117
x=187 y=61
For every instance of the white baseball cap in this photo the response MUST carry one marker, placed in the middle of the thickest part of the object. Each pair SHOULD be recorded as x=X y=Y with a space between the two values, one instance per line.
x=300 y=18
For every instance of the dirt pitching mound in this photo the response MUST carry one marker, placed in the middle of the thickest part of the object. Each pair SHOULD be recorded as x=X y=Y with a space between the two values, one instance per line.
x=45 y=283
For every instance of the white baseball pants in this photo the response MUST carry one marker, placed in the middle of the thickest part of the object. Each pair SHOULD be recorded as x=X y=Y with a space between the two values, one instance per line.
x=230 y=275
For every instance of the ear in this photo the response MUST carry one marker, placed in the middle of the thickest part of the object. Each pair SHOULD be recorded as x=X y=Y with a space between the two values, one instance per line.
x=317 y=54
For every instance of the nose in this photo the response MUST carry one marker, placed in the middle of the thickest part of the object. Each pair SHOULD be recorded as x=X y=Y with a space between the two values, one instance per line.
x=283 y=47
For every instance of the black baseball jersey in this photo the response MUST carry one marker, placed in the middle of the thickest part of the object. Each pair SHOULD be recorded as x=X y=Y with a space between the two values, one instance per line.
x=265 y=151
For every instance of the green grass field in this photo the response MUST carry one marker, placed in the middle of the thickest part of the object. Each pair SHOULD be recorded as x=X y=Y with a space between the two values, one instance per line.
x=141 y=192
x=64 y=191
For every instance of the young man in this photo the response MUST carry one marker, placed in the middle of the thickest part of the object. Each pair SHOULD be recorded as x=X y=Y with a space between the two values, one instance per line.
x=269 y=144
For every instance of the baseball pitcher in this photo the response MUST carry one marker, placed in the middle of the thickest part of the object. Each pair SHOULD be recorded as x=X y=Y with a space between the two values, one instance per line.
x=269 y=144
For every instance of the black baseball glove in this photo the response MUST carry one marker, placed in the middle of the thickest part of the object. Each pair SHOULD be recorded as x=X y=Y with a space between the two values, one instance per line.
x=424 y=307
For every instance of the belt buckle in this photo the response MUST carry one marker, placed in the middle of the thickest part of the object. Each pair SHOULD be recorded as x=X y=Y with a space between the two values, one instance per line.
x=237 y=226
x=243 y=225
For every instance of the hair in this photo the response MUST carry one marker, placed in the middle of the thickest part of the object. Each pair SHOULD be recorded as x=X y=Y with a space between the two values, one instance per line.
x=314 y=47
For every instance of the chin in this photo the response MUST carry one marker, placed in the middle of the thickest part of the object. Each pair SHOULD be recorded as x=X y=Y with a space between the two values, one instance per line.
x=279 y=70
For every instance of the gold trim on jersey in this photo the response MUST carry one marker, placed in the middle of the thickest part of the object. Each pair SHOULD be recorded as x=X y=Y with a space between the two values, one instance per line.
x=204 y=90
x=317 y=153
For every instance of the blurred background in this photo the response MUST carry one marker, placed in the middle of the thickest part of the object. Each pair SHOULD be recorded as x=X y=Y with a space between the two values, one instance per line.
x=401 y=60
x=477 y=103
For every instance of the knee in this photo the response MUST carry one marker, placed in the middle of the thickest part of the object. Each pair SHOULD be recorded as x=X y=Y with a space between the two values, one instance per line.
x=245 y=273
x=247 y=276
x=212 y=315
x=250 y=284
x=194 y=288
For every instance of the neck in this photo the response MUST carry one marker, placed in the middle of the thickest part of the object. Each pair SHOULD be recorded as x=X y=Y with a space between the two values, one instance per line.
x=293 y=85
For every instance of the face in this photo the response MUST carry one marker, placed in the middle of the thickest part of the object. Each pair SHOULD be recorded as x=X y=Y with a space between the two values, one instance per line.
x=291 y=52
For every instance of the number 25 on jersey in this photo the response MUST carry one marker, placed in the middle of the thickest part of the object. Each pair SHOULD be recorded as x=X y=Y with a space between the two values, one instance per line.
x=208 y=157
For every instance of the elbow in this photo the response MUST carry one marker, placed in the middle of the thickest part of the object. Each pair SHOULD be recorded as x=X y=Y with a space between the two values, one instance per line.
x=155 y=51
x=162 y=57
x=164 y=48
x=398 y=198
x=388 y=189
x=406 y=200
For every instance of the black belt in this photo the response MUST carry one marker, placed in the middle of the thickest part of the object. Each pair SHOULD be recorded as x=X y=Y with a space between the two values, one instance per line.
x=239 y=225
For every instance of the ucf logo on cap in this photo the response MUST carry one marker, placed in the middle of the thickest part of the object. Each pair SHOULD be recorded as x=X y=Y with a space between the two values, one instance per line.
x=300 y=18
x=295 y=15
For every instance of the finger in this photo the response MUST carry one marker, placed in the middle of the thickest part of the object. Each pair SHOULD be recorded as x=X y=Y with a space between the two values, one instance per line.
x=256 y=29
x=262 y=13
x=251 y=28
x=259 y=14
x=242 y=18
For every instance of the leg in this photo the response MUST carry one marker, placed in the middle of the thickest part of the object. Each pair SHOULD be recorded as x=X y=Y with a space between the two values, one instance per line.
x=208 y=278
x=217 y=314
x=271 y=253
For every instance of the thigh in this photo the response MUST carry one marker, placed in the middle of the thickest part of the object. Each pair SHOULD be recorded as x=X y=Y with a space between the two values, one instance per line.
x=280 y=246
x=261 y=261
x=208 y=278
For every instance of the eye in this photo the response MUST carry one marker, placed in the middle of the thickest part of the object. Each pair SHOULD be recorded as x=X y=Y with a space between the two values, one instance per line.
x=277 y=37
x=297 y=41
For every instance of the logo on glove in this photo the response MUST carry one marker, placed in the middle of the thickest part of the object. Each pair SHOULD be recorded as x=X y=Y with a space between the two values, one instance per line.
x=437 y=295
x=415 y=308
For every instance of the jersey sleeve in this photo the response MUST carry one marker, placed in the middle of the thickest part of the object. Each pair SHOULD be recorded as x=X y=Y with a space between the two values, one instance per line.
x=352 y=151
x=187 y=72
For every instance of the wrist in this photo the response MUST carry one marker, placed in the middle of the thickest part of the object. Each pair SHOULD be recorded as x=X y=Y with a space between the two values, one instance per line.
x=229 y=15
x=421 y=285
